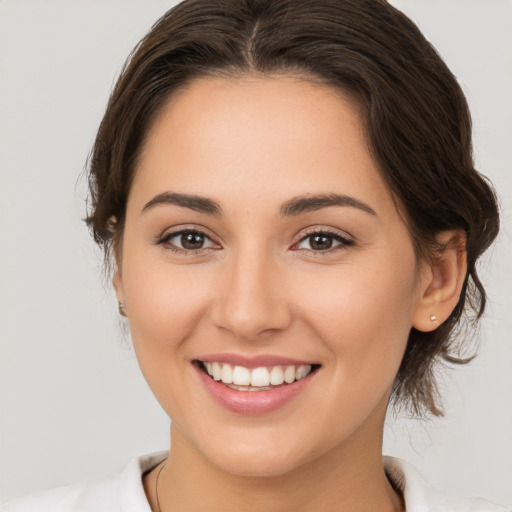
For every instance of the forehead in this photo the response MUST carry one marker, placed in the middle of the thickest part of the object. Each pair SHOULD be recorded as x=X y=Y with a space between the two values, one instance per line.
x=275 y=136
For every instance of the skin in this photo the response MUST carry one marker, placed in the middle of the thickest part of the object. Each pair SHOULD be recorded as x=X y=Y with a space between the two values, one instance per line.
x=251 y=144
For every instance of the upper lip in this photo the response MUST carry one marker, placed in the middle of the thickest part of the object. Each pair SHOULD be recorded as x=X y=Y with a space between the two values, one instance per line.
x=254 y=361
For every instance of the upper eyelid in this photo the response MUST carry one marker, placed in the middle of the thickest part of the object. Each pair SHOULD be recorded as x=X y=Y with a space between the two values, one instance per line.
x=340 y=241
x=313 y=230
x=173 y=234
x=176 y=230
x=168 y=235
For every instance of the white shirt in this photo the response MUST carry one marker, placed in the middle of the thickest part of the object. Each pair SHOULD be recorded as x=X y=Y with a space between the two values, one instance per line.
x=124 y=492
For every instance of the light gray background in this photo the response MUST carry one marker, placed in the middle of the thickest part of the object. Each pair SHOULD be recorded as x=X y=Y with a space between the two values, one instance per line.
x=73 y=402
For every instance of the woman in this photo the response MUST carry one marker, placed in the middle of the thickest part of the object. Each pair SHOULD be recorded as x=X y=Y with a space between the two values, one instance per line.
x=287 y=192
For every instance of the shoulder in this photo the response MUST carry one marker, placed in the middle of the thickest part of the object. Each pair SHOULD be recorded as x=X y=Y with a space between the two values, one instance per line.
x=116 y=493
x=419 y=496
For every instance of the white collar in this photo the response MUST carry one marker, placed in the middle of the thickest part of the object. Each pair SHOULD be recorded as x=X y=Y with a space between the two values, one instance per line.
x=421 y=497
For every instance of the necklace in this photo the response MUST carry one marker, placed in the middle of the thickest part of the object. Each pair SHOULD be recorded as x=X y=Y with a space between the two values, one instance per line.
x=156 y=487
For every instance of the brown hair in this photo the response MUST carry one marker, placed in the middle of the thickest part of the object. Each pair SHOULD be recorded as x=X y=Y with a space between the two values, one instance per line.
x=415 y=115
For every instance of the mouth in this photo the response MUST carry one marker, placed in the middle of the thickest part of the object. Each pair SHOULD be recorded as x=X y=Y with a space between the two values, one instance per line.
x=261 y=378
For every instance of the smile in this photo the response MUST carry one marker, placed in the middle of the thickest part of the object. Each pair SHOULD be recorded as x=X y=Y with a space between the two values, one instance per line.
x=262 y=378
x=275 y=383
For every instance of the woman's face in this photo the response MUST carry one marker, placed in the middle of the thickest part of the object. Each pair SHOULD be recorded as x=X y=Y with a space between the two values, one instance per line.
x=260 y=237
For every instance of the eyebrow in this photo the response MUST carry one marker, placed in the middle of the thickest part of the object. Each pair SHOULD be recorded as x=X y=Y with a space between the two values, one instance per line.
x=196 y=203
x=310 y=203
x=292 y=207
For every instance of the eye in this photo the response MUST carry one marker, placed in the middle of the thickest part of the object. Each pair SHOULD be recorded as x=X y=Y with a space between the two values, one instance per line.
x=187 y=240
x=323 y=241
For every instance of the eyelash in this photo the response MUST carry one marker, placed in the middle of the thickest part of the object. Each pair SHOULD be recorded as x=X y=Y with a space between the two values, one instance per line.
x=165 y=239
x=343 y=241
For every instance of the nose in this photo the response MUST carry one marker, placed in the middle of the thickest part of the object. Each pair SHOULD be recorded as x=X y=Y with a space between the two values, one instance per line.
x=251 y=302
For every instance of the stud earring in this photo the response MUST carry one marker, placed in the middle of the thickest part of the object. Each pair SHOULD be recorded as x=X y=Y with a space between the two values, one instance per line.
x=433 y=318
x=122 y=308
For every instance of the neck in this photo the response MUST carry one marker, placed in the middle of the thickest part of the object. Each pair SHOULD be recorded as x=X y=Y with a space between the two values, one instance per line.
x=350 y=477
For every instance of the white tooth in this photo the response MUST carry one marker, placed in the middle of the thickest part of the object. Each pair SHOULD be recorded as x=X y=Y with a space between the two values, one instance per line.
x=216 y=371
x=227 y=373
x=260 y=377
x=302 y=371
x=241 y=376
x=209 y=368
x=276 y=376
x=289 y=374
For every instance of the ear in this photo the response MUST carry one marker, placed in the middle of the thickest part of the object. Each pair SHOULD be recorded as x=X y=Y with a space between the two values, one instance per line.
x=441 y=281
x=117 y=281
x=117 y=278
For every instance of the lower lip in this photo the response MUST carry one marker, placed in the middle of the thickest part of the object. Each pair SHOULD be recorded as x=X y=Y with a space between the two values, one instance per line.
x=253 y=402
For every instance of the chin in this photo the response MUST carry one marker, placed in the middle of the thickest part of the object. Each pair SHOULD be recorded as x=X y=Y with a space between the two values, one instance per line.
x=257 y=459
x=263 y=466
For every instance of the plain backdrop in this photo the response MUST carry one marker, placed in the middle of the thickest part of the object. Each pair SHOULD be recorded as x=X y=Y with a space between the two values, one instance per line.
x=73 y=403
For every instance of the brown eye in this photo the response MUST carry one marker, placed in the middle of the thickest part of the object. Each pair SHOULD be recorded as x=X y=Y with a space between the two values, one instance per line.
x=323 y=242
x=187 y=240
x=320 y=242
x=192 y=240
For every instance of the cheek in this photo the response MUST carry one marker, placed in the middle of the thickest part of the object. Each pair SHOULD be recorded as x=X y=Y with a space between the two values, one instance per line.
x=166 y=304
x=165 y=301
x=363 y=315
x=161 y=315
x=359 y=299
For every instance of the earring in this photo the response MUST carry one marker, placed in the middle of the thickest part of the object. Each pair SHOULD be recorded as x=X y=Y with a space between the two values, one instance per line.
x=433 y=318
x=122 y=308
